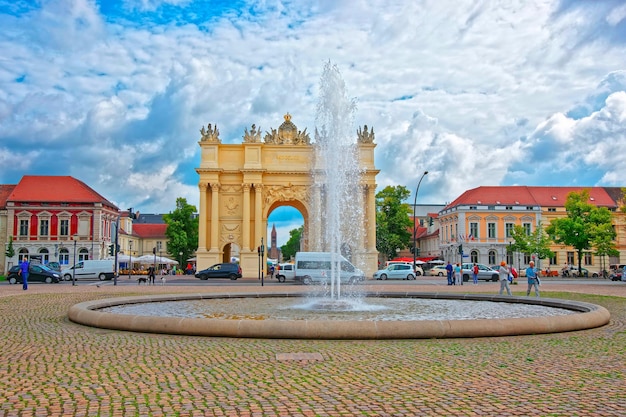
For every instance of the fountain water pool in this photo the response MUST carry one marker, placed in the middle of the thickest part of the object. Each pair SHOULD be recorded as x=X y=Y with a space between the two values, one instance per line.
x=584 y=316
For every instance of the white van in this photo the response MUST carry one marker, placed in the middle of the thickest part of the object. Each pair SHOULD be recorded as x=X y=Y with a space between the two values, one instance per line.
x=315 y=267
x=101 y=269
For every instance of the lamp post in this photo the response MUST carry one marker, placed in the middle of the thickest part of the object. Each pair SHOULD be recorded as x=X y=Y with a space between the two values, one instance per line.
x=180 y=254
x=415 y=222
x=130 y=257
x=74 y=267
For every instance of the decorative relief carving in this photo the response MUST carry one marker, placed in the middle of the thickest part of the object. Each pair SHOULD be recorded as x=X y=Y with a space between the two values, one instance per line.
x=230 y=234
x=210 y=134
x=231 y=205
x=365 y=136
x=287 y=134
x=286 y=193
x=253 y=136
x=230 y=189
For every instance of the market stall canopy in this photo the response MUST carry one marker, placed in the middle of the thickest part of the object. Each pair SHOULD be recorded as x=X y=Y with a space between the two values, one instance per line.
x=152 y=259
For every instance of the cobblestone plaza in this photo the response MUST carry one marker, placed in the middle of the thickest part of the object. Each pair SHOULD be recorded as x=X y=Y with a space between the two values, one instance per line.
x=51 y=366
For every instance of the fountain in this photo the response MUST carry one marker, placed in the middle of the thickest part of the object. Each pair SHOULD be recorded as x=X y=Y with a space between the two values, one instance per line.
x=337 y=175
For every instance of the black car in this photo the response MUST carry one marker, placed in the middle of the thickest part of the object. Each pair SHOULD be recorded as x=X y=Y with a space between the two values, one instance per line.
x=225 y=270
x=37 y=273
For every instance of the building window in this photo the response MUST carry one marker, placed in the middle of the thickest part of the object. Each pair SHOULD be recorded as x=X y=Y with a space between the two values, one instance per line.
x=509 y=258
x=491 y=231
x=45 y=256
x=509 y=208
x=83 y=255
x=64 y=227
x=508 y=229
x=491 y=207
x=474 y=256
x=570 y=258
x=474 y=230
x=526 y=259
x=527 y=228
x=492 y=257
x=552 y=209
x=23 y=227
x=64 y=256
x=588 y=260
x=530 y=208
x=473 y=207
x=44 y=227
x=554 y=260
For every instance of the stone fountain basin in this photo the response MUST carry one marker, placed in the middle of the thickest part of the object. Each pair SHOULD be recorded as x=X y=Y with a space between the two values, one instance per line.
x=587 y=316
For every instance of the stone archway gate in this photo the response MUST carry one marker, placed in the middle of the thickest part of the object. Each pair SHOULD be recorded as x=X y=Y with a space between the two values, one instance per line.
x=240 y=185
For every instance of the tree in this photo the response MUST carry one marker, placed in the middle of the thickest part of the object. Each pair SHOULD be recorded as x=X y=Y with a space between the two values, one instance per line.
x=10 y=252
x=182 y=231
x=537 y=243
x=292 y=246
x=584 y=224
x=393 y=222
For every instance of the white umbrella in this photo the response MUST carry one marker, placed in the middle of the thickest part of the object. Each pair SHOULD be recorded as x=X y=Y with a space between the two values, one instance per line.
x=418 y=262
x=151 y=259
x=436 y=261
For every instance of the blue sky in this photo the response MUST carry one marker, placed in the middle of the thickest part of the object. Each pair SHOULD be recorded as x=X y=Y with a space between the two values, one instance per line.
x=477 y=93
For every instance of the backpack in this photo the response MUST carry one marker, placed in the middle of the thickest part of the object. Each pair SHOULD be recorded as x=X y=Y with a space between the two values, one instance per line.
x=514 y=272
x=476 y=269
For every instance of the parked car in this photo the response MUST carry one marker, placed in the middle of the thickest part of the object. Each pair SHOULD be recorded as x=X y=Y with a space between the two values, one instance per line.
x=395 y=271
x=438 y=270
x=223 y=270
x=617 y=275
x=573 y=272
x=418 y=269
x=54 y=266
x=36 y=273
x=485 y=273
x=285 y=272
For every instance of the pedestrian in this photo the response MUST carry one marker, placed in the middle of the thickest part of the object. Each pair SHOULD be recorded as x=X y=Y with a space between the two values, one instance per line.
x=504 y=278
x=533 y=279
x=151 y=273
x=458 y=279
x=272 y=269
x=449 y=272
x=475 y=274
x=23 y=271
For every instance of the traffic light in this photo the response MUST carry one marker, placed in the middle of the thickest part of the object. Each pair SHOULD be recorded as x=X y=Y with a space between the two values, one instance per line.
x=112 y=250
x=461 y=249
x=154 y=251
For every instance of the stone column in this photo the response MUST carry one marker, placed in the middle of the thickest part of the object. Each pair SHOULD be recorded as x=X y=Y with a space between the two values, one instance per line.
x=215 y=216
x=258 y=215
x=371 y=217
x=203 y=218
x=246 y=217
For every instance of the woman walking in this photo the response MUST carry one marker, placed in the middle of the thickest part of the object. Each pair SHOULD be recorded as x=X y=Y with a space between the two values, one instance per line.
x=504 y=278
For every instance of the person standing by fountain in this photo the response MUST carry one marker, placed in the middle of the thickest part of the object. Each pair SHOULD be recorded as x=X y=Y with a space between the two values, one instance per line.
x=533 y=279
x=504 y=278
x=23 y=271
x=449 y=271
x=458 y=278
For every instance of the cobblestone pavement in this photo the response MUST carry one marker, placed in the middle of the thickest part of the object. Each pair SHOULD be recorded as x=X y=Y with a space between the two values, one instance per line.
x=50 y=366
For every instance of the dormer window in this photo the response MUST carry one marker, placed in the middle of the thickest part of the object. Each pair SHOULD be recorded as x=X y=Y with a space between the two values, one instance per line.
x=509 y=207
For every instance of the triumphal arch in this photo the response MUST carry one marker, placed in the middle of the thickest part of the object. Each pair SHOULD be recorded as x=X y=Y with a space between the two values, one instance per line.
x=241 y=184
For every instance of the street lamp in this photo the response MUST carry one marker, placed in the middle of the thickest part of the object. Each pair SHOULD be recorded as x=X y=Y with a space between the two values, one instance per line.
x=74 y=267
x=415 y=222
x=130 y=259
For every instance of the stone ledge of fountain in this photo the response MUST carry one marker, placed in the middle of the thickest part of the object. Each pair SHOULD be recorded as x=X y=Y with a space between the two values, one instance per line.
x=588 y=316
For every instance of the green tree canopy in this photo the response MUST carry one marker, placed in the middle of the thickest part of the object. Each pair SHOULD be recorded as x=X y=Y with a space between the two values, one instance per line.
x=584 y=226
x=292 y=246
x=182 y=231
x=537 y=243
x=393 y=224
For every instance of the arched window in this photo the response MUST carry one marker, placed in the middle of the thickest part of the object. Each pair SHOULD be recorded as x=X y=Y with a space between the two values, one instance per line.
x=23 y=253
x=64 y=256
x=45 y=255
x=474 y=256
x=83 y=254
x=492 y=257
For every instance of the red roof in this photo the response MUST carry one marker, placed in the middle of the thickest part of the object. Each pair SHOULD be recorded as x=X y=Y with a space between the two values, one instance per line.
x=147 y=231
x=55 y=189
x=529 y=196
x=5 y=191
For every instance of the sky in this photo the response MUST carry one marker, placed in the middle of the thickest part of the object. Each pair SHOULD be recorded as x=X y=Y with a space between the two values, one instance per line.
x=526 y=92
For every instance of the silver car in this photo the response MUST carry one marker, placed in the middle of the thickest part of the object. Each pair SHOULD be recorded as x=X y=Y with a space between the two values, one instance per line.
x=484 y=272
x=395 y=271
